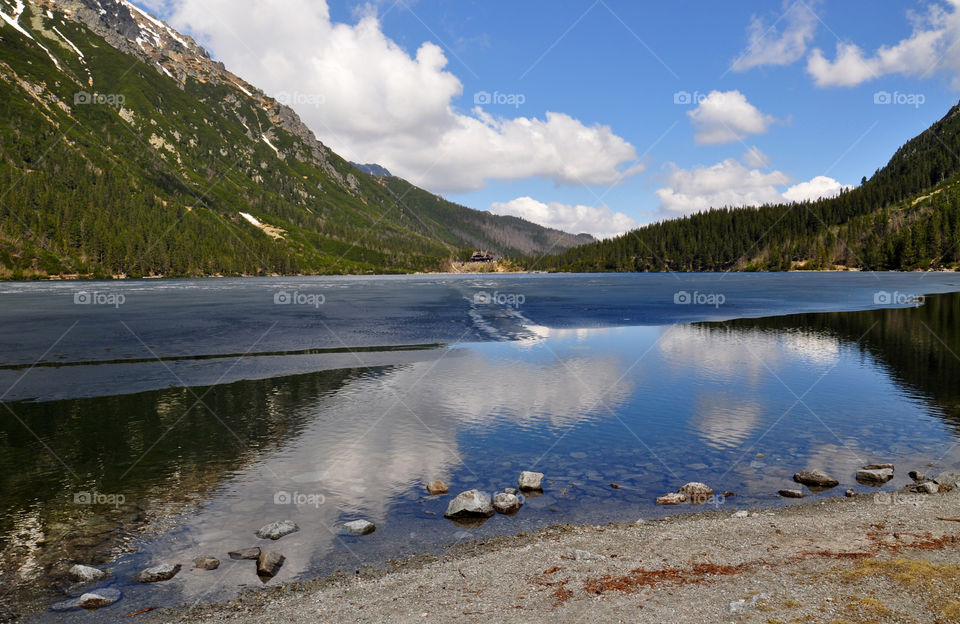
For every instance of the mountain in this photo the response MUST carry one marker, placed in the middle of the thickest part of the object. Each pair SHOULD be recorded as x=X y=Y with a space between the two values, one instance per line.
x=906 y=216
x=378 y=171
x=126 y=150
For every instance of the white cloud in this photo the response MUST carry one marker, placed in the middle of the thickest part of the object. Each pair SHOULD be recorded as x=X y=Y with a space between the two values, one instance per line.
x=732 y=184
x=771 y=46
x=725 y=116
x=728 y=183
x=372 y=101
x=930 y=48
x=817 y=188
x=601 y=222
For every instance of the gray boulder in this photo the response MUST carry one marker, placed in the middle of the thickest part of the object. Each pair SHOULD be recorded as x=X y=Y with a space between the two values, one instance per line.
x=99 y=598
x=506 y=503
x=468 y=504
x=815 y=478
x=949 y=479
x=156 y=574
x=206 y=563
x=245 y=553
x=276 y=530
x=791 y=493
x=874 y=476
x=269 y=563
x=673 y=498
x=927 y=487
x=85 y=574
x=530 y=480
x=358 y=527
x=697 y=493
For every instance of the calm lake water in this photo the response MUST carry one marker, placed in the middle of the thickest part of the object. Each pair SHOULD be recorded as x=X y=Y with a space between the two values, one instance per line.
x=157 y=421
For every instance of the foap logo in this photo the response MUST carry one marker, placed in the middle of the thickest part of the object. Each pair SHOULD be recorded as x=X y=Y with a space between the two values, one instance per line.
x=696 y=297
x=99 y=298
x=513 y=300
x=897 y=498
x=885 y=298
x=685 y=98
x=296 y=98
x=485 y=98
x=296 y=297
x=915 y=100
x=85 y=98
x=96 y=498
x=717 y=500
x=299 y=499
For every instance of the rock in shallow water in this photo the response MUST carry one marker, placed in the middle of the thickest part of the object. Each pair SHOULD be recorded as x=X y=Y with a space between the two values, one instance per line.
x=86 y=574
x=358 y=527
x=269 y=563
x=90 y=600
x=245 y=553
x=435 y=488
x=874 y=476
x=207 y=563
x=157 y=574
x=530 y=480
x=471 y=503
x=697 y=493
x=815 y=478
x=99 y=598
x=673 y=498
x=791 y=493
x=506 y=503
x=276 y=530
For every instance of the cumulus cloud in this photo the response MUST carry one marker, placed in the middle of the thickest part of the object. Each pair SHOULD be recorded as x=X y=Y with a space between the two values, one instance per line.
x=732 y=183
x=818 y=188
x=600 y=222
x=769 y=45
x=728 y=183
x=725 y=116
x=372 y=101
x=930 y=48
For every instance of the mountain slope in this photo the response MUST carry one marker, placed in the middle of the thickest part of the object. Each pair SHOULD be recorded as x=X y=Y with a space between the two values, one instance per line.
x=907 y=216
x=124 y=149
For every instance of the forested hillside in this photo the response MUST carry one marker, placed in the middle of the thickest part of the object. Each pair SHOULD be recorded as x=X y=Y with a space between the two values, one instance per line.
x=125 y=150
x=906 y=216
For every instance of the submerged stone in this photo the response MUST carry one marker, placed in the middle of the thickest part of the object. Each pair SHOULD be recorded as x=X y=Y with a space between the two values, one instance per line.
x=470 y=503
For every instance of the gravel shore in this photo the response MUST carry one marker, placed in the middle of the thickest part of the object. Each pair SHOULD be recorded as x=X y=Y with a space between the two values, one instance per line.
x=860 y=559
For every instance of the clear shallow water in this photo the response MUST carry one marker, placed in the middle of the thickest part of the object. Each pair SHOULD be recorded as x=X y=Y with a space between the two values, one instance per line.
x=588 y=380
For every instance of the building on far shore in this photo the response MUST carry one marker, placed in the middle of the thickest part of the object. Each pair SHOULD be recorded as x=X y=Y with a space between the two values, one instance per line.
x=481 y=256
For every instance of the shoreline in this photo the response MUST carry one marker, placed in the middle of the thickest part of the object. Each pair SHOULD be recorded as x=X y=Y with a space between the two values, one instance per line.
x=767 y=565
x=124 y=278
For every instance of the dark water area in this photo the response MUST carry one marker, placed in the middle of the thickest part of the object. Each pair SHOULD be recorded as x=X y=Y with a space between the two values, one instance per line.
x=176 y=421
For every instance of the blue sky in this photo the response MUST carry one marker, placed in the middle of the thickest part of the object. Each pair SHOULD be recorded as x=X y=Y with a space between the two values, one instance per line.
x=400 y=83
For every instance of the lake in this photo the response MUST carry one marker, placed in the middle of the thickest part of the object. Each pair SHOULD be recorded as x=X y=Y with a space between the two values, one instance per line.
x=160 y=420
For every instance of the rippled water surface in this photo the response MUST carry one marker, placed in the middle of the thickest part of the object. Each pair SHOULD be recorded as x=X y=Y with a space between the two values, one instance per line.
x=171 y=419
